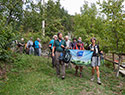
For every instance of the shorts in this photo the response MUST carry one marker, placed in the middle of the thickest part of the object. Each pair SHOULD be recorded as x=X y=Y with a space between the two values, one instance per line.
x=95 y=61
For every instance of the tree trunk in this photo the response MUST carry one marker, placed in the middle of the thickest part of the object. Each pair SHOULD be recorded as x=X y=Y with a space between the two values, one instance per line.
x=113 y=59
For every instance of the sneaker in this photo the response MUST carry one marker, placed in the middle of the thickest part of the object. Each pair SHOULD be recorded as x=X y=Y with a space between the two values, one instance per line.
x=99 y=82
x=92 y=79
x=63 y=77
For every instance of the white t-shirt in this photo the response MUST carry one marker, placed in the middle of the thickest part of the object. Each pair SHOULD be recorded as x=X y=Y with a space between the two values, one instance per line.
x=68 y=43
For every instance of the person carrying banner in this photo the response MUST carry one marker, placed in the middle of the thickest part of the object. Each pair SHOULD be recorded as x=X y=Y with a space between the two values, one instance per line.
x=95 y=63
x=60 y=45
x=78 y=47
x=73 y=44
x=80 y=39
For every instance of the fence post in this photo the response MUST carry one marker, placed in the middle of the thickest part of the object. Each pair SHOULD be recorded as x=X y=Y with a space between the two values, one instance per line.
x=113 y=59
x=117 y=74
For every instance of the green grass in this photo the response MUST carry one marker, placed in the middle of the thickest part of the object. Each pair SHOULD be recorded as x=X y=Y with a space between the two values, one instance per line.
x=33 y=75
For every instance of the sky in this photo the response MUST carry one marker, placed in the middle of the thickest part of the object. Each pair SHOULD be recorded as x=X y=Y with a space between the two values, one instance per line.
x=73 y=6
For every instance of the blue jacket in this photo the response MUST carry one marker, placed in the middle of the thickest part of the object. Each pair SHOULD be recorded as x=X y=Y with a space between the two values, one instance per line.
x=52 y=43
x=36 y=44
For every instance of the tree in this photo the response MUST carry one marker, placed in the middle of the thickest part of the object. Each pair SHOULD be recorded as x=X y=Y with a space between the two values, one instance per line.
x=12 y=10
x=88 y=24
x=114 y=24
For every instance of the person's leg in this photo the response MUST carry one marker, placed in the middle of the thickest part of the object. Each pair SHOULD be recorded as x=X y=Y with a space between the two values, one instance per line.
x=37 y=51
x=62 y=70
x=76 y=70
x=93 y=67
x=81 y=68
x=93 y=72
x=53 y=61
x=97 y=71
x=21 y=49
x=98 y=75
x=57 y=63
x=30 y=50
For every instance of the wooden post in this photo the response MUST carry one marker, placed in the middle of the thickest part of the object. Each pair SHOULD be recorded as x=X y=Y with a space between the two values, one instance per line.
x=117 y=74
x=113 y=59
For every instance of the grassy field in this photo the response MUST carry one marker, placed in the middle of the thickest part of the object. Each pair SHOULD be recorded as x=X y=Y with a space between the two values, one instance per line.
x=34 y=76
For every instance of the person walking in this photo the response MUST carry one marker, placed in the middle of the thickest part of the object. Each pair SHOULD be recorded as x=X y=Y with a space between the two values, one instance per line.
x=78 y=47
x=95 y=63
x=36 y=47
x=60 y=45
x=73 y=43
x=30 y=46
x=21 y=45
x=80 y=39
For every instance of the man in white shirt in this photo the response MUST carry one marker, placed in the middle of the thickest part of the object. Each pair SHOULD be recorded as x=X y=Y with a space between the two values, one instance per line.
x=68 y=43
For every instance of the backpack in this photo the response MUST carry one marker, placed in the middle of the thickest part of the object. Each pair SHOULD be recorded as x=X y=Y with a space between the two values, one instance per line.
x=67 y=56
x=34 y=44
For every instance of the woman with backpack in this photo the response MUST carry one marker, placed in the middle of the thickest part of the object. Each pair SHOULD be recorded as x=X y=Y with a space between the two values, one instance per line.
x=78 y=46
x=95 y=59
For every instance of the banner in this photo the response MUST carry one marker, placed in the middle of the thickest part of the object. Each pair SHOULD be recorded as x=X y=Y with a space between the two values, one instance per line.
x=81 y=57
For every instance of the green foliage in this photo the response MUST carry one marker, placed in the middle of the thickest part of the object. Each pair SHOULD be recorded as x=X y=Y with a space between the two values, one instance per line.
x=88 y=25
x=12 y=10
x=114 y=24
x=36 y=35
x=109 y=31
x=7 y=35
x=56 y=18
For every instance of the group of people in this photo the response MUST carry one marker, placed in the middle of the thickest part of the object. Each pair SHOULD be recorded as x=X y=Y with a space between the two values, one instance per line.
x=31 y=48
x=57 y=46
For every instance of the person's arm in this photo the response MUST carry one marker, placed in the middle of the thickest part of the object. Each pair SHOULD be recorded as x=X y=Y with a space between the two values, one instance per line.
x=63 y=46
x=70 y=46
x=28 y=44
x=100 y=52
x=74 y=47
x=89 y=48
x=83 y=48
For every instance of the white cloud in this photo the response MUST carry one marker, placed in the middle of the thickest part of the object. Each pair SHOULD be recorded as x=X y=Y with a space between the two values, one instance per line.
x=73 y=6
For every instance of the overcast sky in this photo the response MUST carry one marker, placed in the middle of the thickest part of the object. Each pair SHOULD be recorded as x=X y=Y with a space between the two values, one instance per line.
x=73 y=6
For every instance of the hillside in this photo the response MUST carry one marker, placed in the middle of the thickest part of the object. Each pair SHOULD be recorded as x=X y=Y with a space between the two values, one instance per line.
x=33 y=75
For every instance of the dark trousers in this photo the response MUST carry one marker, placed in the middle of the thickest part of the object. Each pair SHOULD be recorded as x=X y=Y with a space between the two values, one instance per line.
x=60 y=65
x=37 y=51
x=53 y=61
